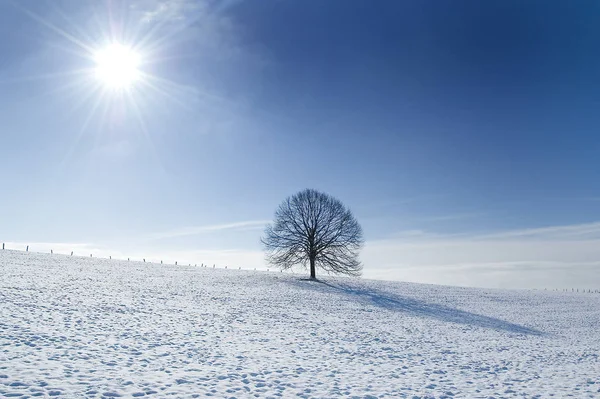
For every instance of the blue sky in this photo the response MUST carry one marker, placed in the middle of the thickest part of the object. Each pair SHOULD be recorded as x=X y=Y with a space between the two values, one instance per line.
x=463 y=135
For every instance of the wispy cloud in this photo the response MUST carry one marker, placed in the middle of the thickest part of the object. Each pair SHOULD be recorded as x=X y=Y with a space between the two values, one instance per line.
x=201 y=32
x=199 y=22
x=452 y=217
x=553 y=256
x=180 y=10
x=161 y=10
x=195 y=230
x=576 y=231
x=550 y=257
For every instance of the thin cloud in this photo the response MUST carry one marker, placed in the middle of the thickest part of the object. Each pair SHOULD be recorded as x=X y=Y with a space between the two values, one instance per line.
x=561 y=257
x=451 y=217
x=166 y=10
x=549 y=257
x=583 y=231
x=195 y=230
x=576 y=231
x=180 y=10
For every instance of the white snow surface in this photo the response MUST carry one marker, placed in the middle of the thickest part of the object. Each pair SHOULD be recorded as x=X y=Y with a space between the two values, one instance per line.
x=75 y=327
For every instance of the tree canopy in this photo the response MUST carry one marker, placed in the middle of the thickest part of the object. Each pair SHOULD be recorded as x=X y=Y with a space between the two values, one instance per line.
x=314 y=229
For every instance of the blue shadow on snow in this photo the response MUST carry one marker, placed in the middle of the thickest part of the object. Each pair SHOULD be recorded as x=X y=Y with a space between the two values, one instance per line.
x=417 y=307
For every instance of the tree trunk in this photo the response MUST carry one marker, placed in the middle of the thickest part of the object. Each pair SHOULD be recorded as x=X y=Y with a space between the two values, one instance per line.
x=313 y=274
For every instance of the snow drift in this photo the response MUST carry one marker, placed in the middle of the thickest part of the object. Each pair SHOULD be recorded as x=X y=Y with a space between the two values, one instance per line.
x=79 y=327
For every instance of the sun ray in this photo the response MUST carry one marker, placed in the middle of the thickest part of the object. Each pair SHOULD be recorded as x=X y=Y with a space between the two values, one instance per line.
x=145 y=41
x=166 y=94
x=156 y=44
x=44 y=76
x=93 y=91
x=117 y=50
x=52 y=27
x=144 y=129
x=84 y=126
x=80 y=32
x=170 y=85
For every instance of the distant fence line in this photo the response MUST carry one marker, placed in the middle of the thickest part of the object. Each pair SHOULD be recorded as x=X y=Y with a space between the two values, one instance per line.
x=587 y=291
x=128 y=259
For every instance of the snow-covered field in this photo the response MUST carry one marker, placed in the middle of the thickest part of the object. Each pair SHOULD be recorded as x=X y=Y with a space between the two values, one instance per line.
x=79 y=327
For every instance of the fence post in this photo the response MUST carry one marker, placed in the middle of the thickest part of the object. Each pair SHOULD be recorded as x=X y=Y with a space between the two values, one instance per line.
x=175 y=263
x=2 y=245
x=71 y=253
x=110 y=257
x=51 y=251
x=27 y=250
x=144 y=260
x=90 y=255
x=161 y=262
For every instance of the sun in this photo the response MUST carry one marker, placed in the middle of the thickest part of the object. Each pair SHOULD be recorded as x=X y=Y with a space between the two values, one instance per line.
x=117 y=66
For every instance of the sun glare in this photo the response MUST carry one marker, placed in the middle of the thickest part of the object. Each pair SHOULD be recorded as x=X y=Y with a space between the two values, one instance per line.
x=117 y=66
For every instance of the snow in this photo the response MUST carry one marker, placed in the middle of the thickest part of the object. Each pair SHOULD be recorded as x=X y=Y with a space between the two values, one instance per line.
x=86 y=327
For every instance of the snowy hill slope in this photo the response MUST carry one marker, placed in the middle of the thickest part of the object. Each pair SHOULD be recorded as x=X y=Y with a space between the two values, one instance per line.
x=79 y=327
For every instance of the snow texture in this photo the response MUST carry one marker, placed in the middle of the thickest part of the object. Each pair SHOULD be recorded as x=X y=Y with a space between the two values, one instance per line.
x=78 y=327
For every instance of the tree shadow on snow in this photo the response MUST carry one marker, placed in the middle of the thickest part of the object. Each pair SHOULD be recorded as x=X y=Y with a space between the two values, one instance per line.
x=417 y=307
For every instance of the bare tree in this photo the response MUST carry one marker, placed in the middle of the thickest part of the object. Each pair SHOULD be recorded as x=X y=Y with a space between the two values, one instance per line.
x=313 y=228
